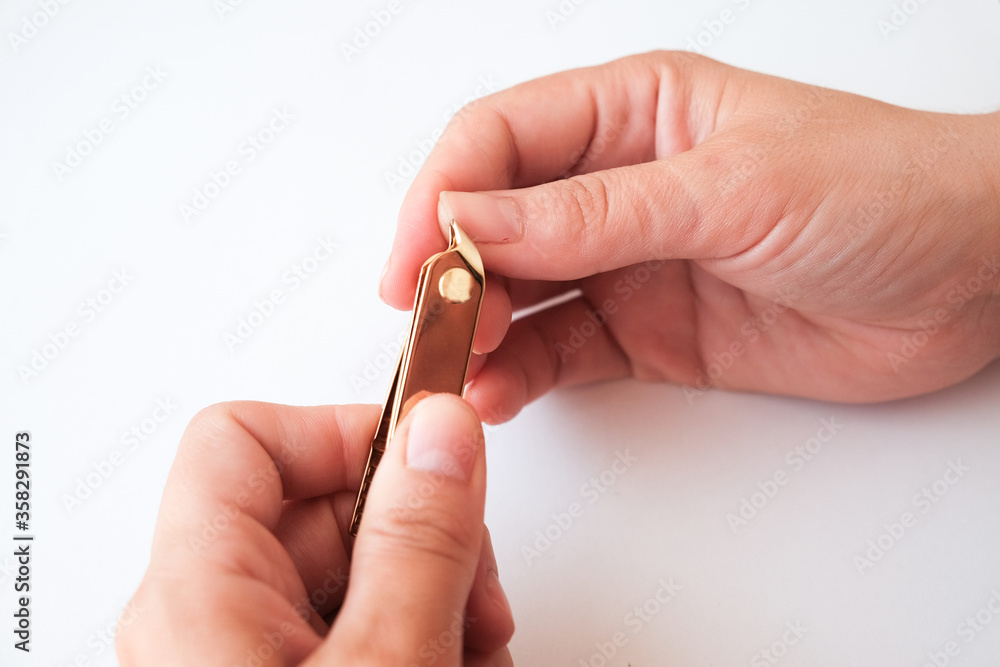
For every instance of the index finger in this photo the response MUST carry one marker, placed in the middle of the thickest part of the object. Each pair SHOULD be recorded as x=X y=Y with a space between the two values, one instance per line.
x=564 y=124
x=249 y=457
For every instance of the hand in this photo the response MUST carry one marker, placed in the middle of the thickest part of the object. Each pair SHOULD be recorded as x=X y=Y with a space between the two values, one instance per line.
x=252 y=550
x=725 y=229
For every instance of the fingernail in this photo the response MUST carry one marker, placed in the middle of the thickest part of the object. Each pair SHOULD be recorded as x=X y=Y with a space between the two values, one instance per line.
x=443 y=437
x=381 y=278
x=487 y=218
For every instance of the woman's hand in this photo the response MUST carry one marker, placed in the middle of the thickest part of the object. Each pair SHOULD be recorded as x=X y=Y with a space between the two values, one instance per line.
x=725 y=229
x=252 y=550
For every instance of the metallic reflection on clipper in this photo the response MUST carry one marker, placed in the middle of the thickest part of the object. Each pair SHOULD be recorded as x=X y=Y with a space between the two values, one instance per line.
x=437 y=351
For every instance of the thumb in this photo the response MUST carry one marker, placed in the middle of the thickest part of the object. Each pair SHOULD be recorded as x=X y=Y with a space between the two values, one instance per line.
x=604 y=220
x=417 y=550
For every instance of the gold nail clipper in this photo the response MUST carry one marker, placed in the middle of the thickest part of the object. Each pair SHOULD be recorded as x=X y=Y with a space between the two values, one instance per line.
x=436 y=355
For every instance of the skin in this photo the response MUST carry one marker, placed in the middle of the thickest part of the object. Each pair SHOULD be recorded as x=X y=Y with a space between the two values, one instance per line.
x=800 y=240
x=722 y=228
x=423 y=578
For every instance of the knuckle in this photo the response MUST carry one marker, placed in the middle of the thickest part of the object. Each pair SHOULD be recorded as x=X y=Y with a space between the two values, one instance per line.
x=672 y=68
x=475 y=114
x=587 y=196
x=212 y=417
x=231 y=417
x=671 y=65
x=205 y=431
x=665 y=60
x=427 y=529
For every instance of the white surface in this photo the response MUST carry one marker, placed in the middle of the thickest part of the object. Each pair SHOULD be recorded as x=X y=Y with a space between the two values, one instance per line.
x=664 y=518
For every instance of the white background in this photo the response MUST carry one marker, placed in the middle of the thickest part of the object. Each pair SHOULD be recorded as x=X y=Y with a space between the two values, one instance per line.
x=324 y=176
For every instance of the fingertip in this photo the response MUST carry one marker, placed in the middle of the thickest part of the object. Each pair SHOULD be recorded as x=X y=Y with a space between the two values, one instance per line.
x=393 y=288
x=417 y=549
x=488 y=217
x=444 y=436
x=496 y=396
x=381 y=279
x=415 y=240
x=505 y=626
x=494 y=317
x=491 y=622
x=476 y=362
x=445 y=214
x=497 y=595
